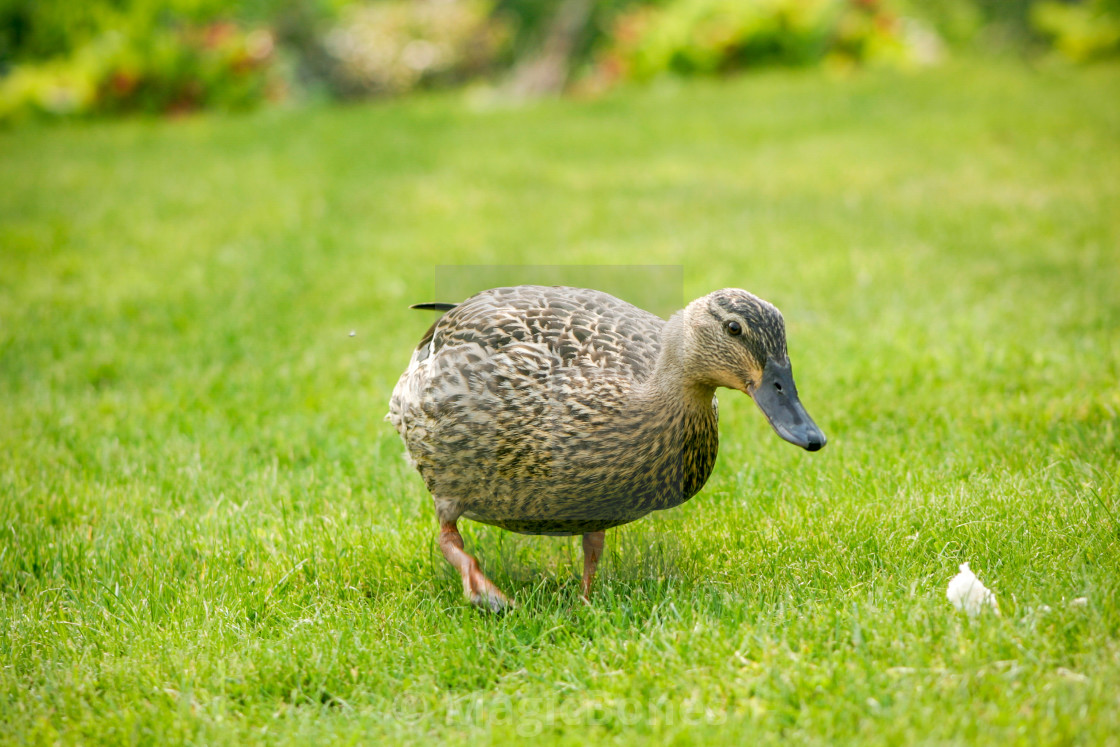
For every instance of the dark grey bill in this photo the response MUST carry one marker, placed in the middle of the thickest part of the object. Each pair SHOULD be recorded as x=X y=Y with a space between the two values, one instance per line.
x=776 y=396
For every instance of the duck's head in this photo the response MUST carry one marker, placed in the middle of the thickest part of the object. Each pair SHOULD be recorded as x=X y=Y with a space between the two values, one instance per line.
x=737 y=340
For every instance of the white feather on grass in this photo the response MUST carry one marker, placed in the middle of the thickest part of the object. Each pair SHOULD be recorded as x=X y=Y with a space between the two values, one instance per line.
x=967 y=593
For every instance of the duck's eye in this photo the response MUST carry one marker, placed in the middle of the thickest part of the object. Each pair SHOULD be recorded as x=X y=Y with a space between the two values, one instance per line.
x=734 y=328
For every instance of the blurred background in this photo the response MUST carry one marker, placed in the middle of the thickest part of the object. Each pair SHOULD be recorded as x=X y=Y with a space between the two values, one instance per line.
x=214 y=217
x=66 y=59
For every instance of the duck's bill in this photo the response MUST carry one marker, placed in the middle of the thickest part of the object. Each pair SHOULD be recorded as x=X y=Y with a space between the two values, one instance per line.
x=777 y=397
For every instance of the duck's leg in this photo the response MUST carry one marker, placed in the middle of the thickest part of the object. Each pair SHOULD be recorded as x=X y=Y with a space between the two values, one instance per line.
x=592 y=551
x=477 y=588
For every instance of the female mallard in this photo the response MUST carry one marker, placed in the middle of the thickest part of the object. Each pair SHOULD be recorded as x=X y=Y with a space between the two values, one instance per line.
x=568 y=411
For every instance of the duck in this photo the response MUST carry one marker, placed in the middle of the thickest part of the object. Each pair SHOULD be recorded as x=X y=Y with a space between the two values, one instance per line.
x=554 y=410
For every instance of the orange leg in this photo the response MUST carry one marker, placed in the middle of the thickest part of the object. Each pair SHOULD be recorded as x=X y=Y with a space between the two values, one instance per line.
x=477 y=588
x=592 y=551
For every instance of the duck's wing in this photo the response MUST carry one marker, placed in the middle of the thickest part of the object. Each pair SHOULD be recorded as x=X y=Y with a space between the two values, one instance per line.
x=510 y=350
x=577 y=326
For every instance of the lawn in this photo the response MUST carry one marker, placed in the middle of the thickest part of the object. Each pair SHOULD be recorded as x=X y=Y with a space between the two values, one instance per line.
x=209 y=535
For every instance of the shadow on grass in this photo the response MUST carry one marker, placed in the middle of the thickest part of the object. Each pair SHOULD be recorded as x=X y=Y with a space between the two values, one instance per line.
x=644 y=559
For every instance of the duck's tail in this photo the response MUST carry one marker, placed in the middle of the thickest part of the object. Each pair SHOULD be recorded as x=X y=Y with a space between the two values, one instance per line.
x=434 y=306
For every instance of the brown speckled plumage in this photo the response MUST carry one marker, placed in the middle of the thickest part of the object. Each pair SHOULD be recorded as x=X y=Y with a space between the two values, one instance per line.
x=564 y=410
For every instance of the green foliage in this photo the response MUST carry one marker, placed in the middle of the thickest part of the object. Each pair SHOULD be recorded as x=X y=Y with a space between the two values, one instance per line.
x=1007 y=22
x=958 y=22
x=178 y=55
x=1083 y=31
x=39 y=30
x=208 y=535
x=164 y=70
x=59 y=57
x=395 y=46
x=529 y=21
x=716 y=36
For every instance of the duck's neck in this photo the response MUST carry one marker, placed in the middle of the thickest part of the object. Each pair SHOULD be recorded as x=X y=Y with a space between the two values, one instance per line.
x=675 y=422
x=671 y=381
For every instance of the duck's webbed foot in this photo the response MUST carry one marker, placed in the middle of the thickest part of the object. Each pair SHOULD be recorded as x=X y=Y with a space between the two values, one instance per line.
x=480 y=590
x=592 y=551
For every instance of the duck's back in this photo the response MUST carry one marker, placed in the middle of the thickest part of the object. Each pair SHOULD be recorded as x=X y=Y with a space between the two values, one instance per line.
x=516 y=399
x=577 y=326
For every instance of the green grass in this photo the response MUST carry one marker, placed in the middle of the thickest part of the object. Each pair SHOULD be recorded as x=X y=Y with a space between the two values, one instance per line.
x=208 y=534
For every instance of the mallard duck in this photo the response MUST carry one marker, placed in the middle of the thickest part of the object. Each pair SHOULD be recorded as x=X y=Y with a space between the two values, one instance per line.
x=555 y=410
